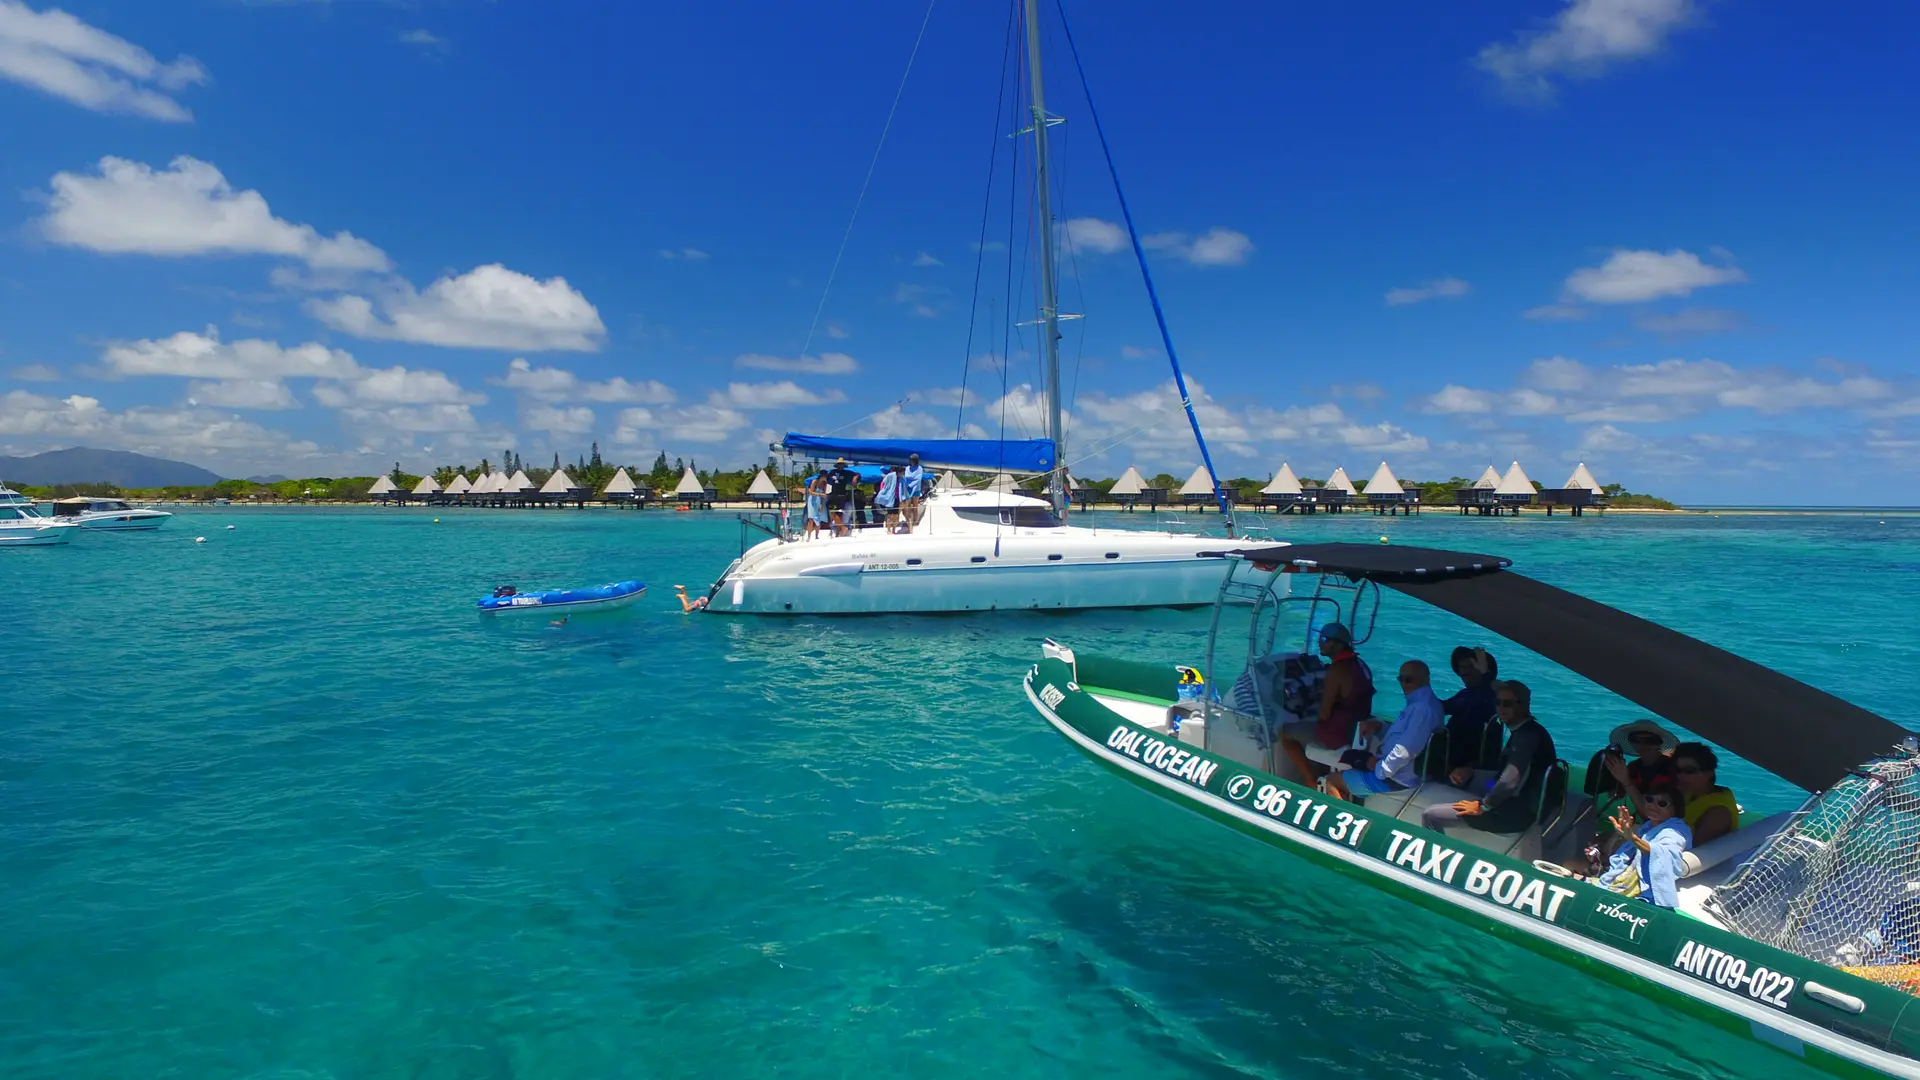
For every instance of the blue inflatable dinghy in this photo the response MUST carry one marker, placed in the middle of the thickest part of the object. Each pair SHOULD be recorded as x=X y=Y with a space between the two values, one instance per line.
x=618 y=594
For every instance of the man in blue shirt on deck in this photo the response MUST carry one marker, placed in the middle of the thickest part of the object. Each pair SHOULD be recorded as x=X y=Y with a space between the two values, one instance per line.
x=1391 y=769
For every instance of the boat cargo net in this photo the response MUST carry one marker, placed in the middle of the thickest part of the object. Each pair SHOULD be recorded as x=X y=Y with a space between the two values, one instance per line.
x=1840 y=884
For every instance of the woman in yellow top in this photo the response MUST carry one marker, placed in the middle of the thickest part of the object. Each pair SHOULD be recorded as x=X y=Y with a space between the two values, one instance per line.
x=1711 y=811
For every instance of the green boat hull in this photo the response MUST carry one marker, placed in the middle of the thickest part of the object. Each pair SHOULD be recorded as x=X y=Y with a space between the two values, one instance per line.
x=1839 y=1023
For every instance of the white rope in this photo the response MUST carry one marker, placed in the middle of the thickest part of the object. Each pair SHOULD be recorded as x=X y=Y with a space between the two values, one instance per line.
x=871 y=165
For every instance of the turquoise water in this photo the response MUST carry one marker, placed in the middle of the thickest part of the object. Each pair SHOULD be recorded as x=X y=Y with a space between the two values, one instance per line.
x=281 y=805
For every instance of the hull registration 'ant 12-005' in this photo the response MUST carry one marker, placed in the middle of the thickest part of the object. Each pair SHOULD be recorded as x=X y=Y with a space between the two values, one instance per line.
x=1801 y=931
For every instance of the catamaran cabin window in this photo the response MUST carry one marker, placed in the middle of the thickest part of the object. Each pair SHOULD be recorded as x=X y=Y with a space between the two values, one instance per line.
x=1019 y=517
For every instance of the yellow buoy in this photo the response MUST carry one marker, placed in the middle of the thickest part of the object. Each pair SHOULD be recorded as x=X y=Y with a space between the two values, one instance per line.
x=1383 y=539
x=436 y=521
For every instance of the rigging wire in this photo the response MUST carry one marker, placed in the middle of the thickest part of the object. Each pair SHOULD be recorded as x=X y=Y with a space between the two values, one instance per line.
x=986 y=207
x=871 y=165
x=1140 y=256
x=1079 y=288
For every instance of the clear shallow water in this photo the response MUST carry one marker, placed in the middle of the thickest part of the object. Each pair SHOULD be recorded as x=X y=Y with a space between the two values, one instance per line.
x=281 y=805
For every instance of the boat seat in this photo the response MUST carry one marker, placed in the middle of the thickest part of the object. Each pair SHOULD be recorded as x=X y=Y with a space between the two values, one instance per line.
x=1732 y=847
x=1527 y=844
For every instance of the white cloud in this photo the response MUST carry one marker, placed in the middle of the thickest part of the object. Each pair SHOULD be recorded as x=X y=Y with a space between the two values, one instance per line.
x=55 y=53
x=186 y=209
x=916 y=298
x=924 y=259
x=1382 y=438
x=34 y=373
x=1135 y=352
x=192 y=434
x=1557 y=373
x=425 y=41
x=1582 y=42
x=774 y=395
x=687 y=253
x=385 y=421
x=833 y=363
x=1671 y=390
x=1446 y=288
x=396 y=386
x=489 y=307
x=558 y=420
x=558 y=384
x=1555 y=313
x=1456 y=400
x=205 y=356
x=837 y=332
x=1607 y=438
x=1217 y=246
x=1631 y=277
x=242 y=394
x=1093 y=234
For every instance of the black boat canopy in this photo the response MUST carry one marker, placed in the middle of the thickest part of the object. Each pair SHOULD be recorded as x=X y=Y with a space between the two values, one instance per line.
x=1803 y=735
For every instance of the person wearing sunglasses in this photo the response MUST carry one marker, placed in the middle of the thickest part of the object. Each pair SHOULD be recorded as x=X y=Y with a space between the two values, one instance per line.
x=1346 y=698
x=1512 y=804
x=1648 y=865
x=1363 y=772
x=1650 y=768
x=1711 y=810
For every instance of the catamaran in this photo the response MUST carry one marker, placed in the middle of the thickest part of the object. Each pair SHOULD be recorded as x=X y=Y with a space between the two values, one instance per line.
x=1801 y=930
x=984 y=550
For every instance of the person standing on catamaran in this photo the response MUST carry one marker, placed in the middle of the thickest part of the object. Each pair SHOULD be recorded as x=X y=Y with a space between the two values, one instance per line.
x=913 y=488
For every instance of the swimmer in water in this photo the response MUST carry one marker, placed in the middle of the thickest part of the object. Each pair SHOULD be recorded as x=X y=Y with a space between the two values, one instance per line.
x=561 y=621
x=689 y=605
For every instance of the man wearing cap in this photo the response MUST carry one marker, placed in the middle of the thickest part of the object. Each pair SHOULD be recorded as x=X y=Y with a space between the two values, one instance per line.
x=840 y=482
x=1346 y=698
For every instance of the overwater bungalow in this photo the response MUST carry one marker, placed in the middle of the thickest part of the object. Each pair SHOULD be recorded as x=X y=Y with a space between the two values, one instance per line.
x=1129 y=489
x=621 y=489
x=426 y=489
x=1514 y=490
x=1386 y=496
x=690 y=492
x=385 y=490
x=1580 y=493
x=560 y=488
x=1197 y=492
x=457 y=488
x=762 y=491
x=1338 y=492
x=1477 y=497
x=950 y=481
x=1283 y=492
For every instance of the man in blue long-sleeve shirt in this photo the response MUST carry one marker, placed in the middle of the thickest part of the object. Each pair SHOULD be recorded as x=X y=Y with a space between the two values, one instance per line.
x=1392 y=768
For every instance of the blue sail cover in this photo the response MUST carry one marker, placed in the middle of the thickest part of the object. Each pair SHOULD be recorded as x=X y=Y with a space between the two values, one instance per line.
x=991 y=455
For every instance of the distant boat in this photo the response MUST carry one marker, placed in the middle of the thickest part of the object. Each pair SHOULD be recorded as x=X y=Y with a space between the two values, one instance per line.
x=617 y=594
x=108 y=514
x=21 y=525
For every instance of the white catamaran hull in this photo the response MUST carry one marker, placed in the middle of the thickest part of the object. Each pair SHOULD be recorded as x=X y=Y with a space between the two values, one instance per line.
x=971 y=551
x=944 y=576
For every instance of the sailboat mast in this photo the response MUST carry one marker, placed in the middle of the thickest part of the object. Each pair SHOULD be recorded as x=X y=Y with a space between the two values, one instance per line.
x=1049 y=292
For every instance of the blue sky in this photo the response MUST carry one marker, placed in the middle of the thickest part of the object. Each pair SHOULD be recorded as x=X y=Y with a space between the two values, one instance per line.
x=1673 y=239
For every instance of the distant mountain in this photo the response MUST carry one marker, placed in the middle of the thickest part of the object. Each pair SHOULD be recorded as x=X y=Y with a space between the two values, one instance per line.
x=270 y=478
x=81 y=465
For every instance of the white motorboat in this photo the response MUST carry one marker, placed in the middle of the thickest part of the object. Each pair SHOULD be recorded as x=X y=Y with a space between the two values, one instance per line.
x=22 y=525
x=115 y=514
x=970 y=551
